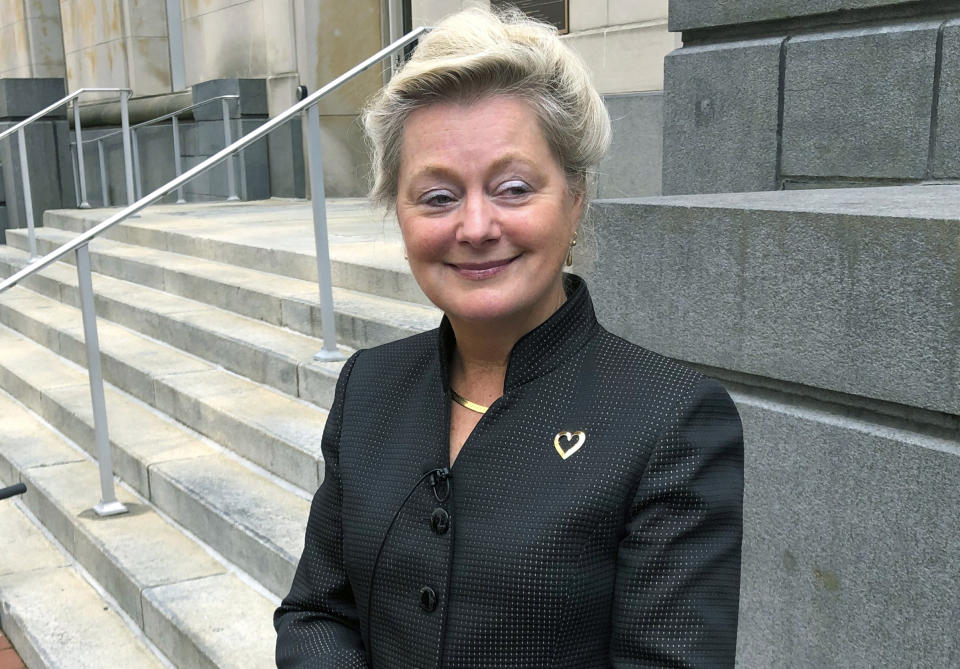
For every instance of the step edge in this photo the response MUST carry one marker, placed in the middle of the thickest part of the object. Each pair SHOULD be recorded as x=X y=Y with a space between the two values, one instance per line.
x=81 y=571
x=211 y=507
x=228 y=567
x=164 y=394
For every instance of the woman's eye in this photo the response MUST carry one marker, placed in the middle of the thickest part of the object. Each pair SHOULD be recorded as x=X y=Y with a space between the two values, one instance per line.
x=437 y=198
x=513 y=189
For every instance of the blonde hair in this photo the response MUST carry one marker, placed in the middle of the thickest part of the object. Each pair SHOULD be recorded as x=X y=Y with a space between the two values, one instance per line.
x=478 y=53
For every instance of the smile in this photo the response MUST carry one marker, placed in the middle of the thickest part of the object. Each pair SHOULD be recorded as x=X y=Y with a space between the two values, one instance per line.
x=476 y=271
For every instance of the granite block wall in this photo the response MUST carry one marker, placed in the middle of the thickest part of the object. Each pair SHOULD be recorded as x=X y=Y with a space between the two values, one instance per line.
x=831 y=315
x=720 y=117
x=821 y=93
x=633 y=165
x=688 y=15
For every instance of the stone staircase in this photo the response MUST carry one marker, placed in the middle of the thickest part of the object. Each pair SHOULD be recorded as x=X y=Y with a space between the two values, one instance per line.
x=208 y=321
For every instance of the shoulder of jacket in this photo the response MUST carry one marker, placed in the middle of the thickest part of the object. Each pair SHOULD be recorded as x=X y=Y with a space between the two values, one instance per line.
x=620 y=357
x=679 y=387
x=397 y=357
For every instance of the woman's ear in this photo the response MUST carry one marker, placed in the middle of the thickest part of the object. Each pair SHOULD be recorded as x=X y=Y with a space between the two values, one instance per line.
x=578 y=202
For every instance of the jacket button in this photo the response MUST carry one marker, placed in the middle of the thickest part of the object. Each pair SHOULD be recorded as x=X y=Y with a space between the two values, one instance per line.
x=428 y=599
x=440 y=521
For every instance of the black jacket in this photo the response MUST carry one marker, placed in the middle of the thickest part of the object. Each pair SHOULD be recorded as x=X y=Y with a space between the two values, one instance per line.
x=625 y=553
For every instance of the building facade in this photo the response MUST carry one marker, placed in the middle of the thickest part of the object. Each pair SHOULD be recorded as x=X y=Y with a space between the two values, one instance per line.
x=163 y=49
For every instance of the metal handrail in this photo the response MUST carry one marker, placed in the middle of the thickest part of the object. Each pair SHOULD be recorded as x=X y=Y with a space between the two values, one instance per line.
x=109 y=505
x=161 y=118
x=24 y=161
x=178 y=169
x=59 y=103
x=308 y=102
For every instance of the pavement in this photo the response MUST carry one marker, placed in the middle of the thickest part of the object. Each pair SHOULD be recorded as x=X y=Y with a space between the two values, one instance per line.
x=8 y=656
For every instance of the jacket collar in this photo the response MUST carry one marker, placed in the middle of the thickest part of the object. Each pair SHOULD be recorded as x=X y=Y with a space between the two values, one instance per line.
x=547 y=346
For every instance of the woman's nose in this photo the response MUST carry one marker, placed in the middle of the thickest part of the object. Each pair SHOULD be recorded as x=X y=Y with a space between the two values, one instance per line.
x=478 y=221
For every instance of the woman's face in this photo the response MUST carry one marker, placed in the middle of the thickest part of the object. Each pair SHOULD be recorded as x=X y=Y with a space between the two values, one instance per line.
x=485 y=211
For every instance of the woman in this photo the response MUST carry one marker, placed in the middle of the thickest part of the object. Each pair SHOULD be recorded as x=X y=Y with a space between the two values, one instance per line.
x=518 y=488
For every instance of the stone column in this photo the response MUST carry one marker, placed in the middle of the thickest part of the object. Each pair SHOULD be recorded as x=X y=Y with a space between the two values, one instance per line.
x=31 y=41
x=245 y=40
x=333 y=36
x=120 y=43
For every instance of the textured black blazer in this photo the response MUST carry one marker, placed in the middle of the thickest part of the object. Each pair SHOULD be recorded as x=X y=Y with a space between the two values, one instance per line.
x=624 y=553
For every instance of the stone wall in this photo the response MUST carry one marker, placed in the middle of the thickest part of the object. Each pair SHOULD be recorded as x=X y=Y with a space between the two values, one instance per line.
x=286 y=43
x=47 y=141
x=777 y=94
x=632 y=166
x=831 y=316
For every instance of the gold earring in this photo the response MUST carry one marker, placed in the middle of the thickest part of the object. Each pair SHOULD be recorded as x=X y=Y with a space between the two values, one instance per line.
x=573 y=242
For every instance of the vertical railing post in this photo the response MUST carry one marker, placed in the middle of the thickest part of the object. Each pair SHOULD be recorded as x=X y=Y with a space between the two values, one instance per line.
x=319 y=202
x=104 y=190
x=137 y=177
x=127 y=151
x=109 y=505
x=395 y=30
x=74 y=169
x=231 y=178
x=84 y=204
x=27 y=197
x=177 y=165
x=243 y=163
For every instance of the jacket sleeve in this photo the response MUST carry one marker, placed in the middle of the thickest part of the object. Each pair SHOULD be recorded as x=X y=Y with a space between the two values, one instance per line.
x=317 y=623
x=677 y=589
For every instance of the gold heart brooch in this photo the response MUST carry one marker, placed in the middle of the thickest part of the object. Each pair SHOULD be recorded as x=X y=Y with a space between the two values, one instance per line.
x=577 y=438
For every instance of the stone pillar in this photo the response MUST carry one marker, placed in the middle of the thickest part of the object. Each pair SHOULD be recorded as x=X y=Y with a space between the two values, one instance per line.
x=251 y=39
x=32 y=41
x=774 y=94
x=332 y=37
x=48 y=151
x=117 y=43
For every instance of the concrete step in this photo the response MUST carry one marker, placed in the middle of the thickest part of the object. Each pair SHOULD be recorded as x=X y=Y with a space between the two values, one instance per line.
x=51 y=615
x=362 y=320
x=277 y=432
x=251 y=518
x=267 y=354
x=165 y=582
x=273 y=236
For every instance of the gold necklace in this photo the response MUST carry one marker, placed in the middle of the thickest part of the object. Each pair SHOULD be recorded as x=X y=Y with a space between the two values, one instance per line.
x=467 y=404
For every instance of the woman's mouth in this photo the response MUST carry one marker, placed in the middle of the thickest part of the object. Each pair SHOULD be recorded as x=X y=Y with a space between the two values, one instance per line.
x=476 y=271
